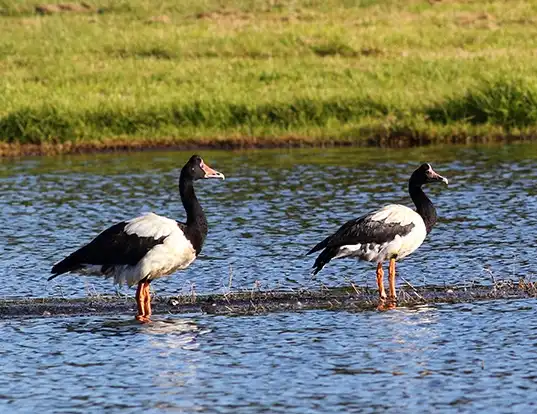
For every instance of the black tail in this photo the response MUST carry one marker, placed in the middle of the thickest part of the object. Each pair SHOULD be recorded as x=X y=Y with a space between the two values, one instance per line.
x=324 y=257
x=320 y=246
x=327 y=255
x=68 y=264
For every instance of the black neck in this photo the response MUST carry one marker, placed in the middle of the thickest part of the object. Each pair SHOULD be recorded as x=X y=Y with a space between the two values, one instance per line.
x=424 y=206
x=196 y=222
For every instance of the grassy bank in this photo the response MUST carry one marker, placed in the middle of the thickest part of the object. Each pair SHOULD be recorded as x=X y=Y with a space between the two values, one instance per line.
x=265 y=72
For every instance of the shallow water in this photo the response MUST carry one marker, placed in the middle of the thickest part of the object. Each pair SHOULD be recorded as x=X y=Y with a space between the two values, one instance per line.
x=273 y=206
x=457 y=358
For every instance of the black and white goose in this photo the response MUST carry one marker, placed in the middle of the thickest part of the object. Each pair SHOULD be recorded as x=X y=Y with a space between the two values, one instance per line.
x=147 y=247
x=391 y=233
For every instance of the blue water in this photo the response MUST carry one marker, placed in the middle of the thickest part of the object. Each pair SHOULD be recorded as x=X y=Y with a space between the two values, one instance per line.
x=456 y=358
x=273 y=206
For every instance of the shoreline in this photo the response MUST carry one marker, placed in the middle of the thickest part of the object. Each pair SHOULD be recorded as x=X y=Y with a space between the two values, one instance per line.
x=15 y=149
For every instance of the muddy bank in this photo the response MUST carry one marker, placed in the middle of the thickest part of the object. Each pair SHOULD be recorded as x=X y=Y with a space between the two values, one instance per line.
x=352 y=298
x=10 y=150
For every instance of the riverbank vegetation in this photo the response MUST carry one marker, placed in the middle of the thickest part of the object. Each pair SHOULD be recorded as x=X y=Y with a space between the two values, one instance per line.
x=266 y=72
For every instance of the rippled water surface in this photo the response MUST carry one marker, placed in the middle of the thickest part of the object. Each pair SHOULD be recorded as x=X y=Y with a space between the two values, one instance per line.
x=272 y=207
x=462 y=358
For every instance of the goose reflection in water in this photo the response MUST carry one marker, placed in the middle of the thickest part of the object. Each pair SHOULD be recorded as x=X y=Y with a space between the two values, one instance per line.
x=171 y=331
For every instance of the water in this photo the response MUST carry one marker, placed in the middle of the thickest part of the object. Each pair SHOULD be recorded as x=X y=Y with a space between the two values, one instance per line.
x=461 y=358
x=273 y=206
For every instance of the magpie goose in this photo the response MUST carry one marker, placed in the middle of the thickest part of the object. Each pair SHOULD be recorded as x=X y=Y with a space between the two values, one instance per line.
x=147 y=247
x=390 y=233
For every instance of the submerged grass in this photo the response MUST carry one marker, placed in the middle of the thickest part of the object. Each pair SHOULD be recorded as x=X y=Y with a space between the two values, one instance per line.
x=397 y=71
x=254 y=302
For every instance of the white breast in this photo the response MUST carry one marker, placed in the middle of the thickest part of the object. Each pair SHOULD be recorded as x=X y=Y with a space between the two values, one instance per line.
x=402 y=246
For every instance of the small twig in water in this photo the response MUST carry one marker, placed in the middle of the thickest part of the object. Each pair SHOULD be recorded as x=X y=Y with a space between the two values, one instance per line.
x=257 y=285
x=227 y=290
x=312 y=275
x=60 y=289
x=404 y=294
x=117 y=291
x=90 y=290
x=230 y=277
x=514 y=266
x=412 y=287
x=487 y=270
x=193 y=292
x=353 y=286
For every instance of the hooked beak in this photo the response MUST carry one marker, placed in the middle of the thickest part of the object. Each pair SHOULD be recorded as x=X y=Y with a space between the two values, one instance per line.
x=433 y=176
x=210 y=173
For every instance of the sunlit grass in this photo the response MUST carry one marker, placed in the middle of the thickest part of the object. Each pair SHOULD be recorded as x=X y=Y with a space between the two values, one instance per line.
x=342 y=70
x=507 y=102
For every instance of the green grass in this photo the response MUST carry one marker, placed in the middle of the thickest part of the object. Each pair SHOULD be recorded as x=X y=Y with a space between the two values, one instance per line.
x=507 y=102
x=346 y=70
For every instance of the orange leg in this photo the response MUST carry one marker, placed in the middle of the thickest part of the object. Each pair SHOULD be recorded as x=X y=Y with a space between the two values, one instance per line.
x=391 y=279
x=380 y=281
x=141 y=303
x=147 y=298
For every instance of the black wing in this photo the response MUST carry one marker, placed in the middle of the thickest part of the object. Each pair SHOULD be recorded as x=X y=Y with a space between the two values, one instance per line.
x=358 y=231
x=363 y=230
x=112 y=247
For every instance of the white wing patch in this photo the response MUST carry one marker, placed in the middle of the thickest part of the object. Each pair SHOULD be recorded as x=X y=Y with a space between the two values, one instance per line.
x=151 y=225
x=397 y=213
